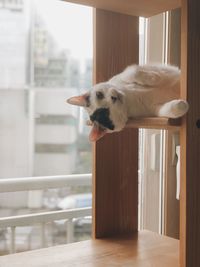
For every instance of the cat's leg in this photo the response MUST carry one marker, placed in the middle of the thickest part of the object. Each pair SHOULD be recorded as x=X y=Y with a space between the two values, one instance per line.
x=173 y=109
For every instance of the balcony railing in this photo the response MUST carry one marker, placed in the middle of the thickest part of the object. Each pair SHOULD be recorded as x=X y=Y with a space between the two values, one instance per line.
x=44 y=182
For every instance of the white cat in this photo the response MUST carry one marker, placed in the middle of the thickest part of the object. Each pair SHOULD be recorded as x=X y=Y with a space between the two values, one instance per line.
x=139 y=91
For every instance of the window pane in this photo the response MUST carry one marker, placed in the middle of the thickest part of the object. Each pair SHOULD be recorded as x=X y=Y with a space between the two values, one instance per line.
x=45 y=57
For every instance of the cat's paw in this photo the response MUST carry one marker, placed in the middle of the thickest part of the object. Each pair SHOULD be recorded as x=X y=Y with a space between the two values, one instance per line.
x=178 y=108
x=174 y=109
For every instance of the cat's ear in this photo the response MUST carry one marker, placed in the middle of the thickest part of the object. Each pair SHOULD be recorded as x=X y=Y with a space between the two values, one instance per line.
x=96 y=133
x=80 y=100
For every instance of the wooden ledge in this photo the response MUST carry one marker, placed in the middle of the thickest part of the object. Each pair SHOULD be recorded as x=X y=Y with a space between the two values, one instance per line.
x=155 y=123
x=145 y=249
x=143 y=8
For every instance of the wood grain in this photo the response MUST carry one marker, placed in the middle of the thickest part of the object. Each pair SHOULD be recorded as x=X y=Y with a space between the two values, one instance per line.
x=143 y=250
x=172 y=205
x=115 y=182
x=155 y=123
x=144 y=8
x=190 y=135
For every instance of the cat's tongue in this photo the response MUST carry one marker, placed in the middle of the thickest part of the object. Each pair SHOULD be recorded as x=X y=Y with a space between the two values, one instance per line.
x=97 y=132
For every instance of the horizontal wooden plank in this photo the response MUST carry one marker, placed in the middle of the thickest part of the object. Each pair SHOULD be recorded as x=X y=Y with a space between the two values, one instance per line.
x=144 y=249
x=155 y=123
x=143 y=8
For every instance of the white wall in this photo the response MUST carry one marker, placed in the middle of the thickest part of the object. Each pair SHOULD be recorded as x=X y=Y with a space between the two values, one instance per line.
x=17 y=138
x=13 y=142
x=14 y=134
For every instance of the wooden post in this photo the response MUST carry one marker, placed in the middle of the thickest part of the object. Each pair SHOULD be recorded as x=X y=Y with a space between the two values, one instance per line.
x=115 y=182
x=190 y=136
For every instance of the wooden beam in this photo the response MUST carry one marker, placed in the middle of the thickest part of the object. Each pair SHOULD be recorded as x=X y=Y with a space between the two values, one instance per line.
x=190 y=136
x=143 y=8
x=155 y=123
x=172 y=205
x=115 y=182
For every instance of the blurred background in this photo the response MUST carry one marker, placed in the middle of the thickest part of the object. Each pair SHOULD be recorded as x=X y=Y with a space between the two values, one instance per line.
x=45 y=57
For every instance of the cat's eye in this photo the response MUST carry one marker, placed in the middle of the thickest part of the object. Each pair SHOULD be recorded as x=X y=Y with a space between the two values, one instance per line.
x=114 y=99
x=99 y=95
x=87 y=99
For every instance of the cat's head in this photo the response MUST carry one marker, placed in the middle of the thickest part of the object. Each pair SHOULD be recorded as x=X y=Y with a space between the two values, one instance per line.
x=106 y=108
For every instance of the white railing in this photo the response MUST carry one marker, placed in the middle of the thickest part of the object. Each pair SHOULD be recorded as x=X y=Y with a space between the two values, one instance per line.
x=43 y=182
x=35 y=183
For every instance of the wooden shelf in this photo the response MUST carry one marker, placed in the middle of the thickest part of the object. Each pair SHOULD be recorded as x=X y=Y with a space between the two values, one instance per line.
x=143 y=8
x=155 y=123
x=145 y=249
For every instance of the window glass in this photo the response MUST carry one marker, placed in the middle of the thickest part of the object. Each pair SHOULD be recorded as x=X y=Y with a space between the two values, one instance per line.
x=45 y=57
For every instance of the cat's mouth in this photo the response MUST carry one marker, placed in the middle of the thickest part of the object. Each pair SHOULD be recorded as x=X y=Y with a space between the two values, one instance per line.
x=97 y=131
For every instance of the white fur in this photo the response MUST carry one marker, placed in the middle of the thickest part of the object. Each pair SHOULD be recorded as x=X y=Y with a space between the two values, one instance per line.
x=149 y=90
x=141 y=91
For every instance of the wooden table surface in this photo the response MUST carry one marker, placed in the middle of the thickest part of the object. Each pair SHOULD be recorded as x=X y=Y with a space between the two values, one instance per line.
x=146 y=249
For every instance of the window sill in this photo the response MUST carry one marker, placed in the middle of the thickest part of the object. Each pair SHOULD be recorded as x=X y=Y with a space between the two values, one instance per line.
x=145 y=248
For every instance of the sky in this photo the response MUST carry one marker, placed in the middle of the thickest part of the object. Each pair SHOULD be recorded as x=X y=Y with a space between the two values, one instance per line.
x=70 y=24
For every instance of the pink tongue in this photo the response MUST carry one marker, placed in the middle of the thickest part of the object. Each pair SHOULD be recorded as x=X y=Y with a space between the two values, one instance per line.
x=96 y=133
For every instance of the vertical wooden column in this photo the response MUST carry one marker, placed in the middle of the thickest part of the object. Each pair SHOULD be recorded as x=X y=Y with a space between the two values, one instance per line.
x=172 y=205
x=190 y=136
x=115 y=178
